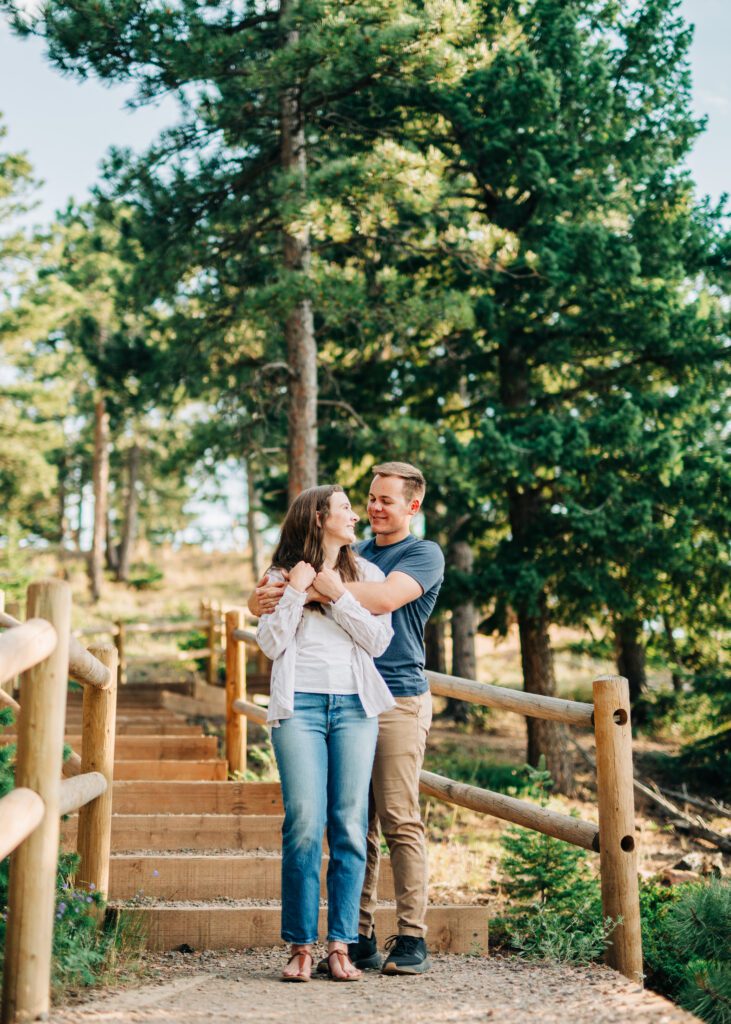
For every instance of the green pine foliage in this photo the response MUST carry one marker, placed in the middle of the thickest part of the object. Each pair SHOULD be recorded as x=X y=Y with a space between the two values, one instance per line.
x=700 y=924
x=554 y=909
x=83 y=951
x=686 y=940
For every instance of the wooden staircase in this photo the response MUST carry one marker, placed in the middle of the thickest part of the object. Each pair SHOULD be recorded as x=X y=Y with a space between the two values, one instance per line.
x=199 y=858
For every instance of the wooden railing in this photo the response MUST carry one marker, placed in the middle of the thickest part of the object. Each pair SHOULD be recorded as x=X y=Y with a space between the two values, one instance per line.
x=609 y=715
x=121 y=631
x=45 y=654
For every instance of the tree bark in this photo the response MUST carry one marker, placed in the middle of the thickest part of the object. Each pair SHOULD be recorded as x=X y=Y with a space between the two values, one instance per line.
x=631 y=655
x=551 y=739
x=129 y=530
x=101 y=489
x=299 y=326
x=435 y=645
x=525 y=505
x=63 y=519
x=464 y=660
x=111 y=554
x=251 y=529
x=675 y=664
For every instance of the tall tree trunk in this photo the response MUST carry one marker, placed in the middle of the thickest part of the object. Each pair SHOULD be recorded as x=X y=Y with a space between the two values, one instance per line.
x=299 y=328
x=631 y=655
x=435 y=645
x=100 y=476
x=464 y=660
x=129 y=530
x=251 y=506
x=63 y=518
x=676 y=674
x=525 y=506
x=76 y=531
x=111 y=554
x=547 y=738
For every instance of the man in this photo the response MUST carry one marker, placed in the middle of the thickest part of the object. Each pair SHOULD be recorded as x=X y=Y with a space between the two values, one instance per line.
x=414 y=572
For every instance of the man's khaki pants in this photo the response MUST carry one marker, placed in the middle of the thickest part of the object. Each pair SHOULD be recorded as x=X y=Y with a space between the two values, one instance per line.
x=394 y=803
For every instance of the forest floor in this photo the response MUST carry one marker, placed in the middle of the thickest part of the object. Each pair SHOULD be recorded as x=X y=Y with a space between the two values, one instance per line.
x=242 y=987
x=465 y=851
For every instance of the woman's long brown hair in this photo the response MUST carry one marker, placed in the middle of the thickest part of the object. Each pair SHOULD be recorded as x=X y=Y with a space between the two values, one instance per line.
x=301 y=536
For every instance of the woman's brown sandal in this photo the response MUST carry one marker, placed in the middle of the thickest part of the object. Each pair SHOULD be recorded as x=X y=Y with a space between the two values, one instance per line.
x=343 y=956
x=300 y=975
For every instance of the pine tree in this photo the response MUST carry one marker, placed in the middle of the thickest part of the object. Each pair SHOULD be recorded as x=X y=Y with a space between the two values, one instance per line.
x=700 y=925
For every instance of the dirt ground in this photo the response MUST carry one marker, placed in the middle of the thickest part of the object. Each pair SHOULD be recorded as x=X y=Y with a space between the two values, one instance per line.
x=241 y=987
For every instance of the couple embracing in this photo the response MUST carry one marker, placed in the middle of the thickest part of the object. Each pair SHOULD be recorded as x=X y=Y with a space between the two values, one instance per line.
x=350 y=710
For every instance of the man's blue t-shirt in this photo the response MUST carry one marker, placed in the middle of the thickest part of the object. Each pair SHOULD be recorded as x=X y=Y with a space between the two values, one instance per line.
x=402 y=665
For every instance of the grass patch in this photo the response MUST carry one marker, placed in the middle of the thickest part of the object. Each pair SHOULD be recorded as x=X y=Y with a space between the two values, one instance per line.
x=497 y=776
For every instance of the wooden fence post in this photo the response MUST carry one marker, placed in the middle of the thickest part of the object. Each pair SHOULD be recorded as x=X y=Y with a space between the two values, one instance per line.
x=97 y=755
x=617 y=839
x=120 y=638
x=33 y=866
x=235 y=690
x=212 y=667
x=13 y=608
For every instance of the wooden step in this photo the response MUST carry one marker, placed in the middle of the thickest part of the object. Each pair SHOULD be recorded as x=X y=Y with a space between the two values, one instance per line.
x=142 y=717
x=452 y=929
x=177 y=728
x=228 y=876
x=152 y=748
x=163 y=771
x=187 y=832
x=149 y=797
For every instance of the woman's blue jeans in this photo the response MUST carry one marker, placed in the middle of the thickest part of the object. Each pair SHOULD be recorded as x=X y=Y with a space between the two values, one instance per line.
x=325 y=756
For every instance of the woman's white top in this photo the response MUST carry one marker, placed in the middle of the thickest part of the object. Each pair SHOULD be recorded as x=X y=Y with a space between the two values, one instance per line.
x=291 y=637
x=325 y=655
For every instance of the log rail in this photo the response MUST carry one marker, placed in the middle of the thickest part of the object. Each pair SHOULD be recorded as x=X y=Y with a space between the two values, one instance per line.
x=44 y=653
x=614 y=838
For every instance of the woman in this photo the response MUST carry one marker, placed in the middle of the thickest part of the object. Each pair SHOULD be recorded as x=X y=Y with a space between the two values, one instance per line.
x=326 y=695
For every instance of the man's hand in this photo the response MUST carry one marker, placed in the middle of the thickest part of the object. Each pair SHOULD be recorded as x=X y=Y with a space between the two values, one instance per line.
x=267 y=595
x=329 y=584
x=315 y=597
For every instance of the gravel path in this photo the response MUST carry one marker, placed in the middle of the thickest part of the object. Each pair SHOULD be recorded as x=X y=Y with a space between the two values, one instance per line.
x=243 y=988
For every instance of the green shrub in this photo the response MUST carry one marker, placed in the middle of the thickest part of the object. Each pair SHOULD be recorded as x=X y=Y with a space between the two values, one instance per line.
x=686 y=942
x=145 y=576
x=555 y=902
x=195 y=642
x=699 y=923
x=83 y=951
x=664 y=964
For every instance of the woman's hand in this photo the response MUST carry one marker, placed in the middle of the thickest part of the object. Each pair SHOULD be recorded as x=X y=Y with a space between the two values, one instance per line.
x=301 y=576
x=329 y=584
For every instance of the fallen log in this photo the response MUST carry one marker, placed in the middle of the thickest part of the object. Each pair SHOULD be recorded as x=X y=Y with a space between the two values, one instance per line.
x=681 y=821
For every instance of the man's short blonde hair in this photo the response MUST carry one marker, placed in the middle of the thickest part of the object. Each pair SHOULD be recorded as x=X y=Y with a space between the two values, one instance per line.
x=413 y=478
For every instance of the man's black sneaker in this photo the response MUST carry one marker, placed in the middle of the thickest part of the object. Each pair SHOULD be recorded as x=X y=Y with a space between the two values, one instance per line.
x=363 y=953
x=407 y=955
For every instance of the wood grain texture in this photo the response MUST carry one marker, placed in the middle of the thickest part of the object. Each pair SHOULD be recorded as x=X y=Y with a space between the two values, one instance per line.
x=97 y=755
x=149 y=797
x=170 y=770
x=211 y=876
x=187 y=832
x=27 y=968
x=21 y=811
x=618 y=837
x=451 y=929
